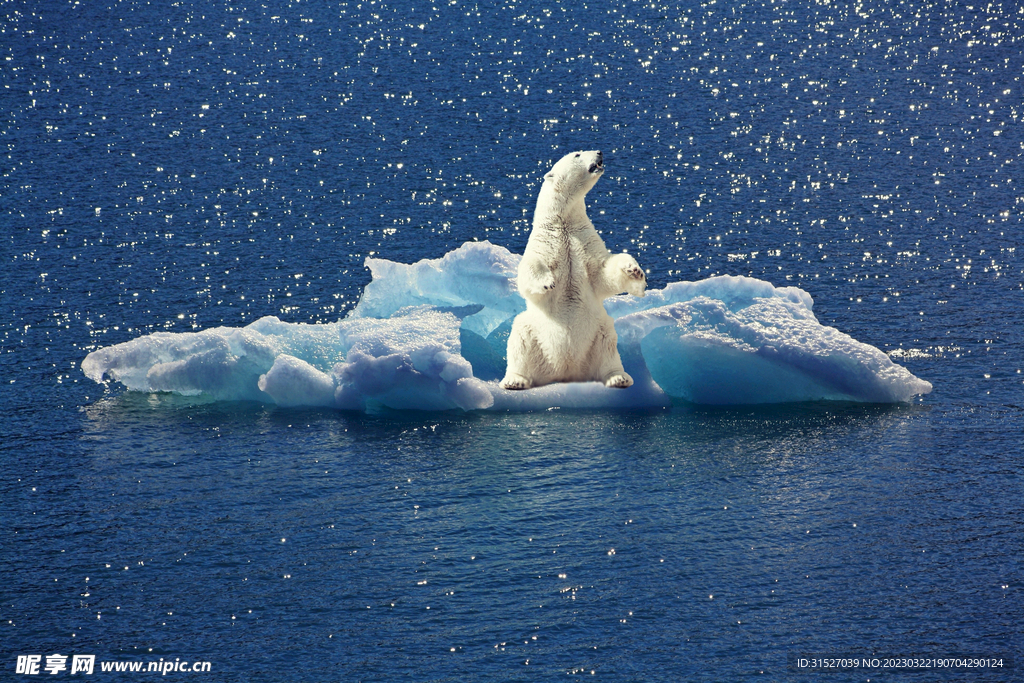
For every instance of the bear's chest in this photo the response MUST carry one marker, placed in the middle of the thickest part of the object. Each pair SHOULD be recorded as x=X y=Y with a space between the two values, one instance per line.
x=574 y=268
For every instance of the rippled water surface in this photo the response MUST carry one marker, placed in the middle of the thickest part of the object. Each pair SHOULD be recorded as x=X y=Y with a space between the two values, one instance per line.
x=179 y=166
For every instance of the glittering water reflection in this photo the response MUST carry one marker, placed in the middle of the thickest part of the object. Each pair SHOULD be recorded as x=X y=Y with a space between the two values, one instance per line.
x=182 y=166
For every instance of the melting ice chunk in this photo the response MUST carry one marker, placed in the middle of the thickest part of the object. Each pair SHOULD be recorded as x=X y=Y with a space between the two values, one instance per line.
x=410 y=360
x=770 y=351
x=476 y=273
x=431 y=336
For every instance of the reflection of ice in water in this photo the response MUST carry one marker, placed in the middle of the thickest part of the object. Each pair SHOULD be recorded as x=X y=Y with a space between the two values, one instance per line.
x=431 y=334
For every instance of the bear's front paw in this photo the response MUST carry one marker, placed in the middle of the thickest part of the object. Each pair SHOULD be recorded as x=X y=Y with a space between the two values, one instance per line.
x=619 y=380
x=514 y=382
x=540 y=287
x=636 y=280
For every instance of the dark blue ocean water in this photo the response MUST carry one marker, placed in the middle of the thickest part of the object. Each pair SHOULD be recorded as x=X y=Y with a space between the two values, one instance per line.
x=178 y=166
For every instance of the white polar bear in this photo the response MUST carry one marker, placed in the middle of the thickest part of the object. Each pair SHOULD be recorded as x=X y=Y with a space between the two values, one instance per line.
x=565 y=335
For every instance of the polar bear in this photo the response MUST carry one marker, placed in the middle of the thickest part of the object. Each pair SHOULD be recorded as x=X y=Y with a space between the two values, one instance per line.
x=565 y=335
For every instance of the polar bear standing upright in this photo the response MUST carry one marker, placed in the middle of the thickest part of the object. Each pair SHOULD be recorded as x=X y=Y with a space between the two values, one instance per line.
x=565 y=335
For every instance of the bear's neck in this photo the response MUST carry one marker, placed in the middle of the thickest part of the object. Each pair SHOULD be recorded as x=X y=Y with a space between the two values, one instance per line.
x=557 y=212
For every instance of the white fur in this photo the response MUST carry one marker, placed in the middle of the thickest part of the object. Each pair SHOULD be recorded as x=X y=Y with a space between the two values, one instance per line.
x=565 y=335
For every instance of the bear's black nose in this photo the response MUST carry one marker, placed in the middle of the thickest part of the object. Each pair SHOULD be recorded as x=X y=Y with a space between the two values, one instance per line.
x=600 y=159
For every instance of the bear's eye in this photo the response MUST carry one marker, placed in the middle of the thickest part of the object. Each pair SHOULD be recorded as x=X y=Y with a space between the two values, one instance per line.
x=577 y=156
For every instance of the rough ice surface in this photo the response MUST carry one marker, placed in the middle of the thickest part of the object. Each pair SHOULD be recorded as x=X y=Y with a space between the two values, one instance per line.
x=431 y=336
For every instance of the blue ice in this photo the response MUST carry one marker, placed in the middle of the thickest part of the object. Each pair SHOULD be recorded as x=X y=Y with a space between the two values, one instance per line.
x=431 y=336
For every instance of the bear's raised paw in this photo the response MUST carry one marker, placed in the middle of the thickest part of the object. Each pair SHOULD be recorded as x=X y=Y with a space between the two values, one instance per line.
x=634 y=272
x=636 y=280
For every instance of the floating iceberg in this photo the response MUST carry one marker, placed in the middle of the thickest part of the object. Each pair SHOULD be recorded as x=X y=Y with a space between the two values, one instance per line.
x=432 y=335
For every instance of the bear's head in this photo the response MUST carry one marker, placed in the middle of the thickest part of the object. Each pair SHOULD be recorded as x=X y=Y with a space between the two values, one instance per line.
x=575 y=173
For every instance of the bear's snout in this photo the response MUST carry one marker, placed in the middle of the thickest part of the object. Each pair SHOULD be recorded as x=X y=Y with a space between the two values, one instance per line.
x=598 y=163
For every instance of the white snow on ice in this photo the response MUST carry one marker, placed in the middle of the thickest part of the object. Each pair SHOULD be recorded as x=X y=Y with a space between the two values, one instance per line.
x=431 y=336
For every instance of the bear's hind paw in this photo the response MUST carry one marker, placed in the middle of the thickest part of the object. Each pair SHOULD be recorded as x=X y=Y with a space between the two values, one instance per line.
x=619 y=380
x=514 y=382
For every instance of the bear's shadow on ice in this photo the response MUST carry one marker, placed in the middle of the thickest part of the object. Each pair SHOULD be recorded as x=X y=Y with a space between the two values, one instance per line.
x=487 y=355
